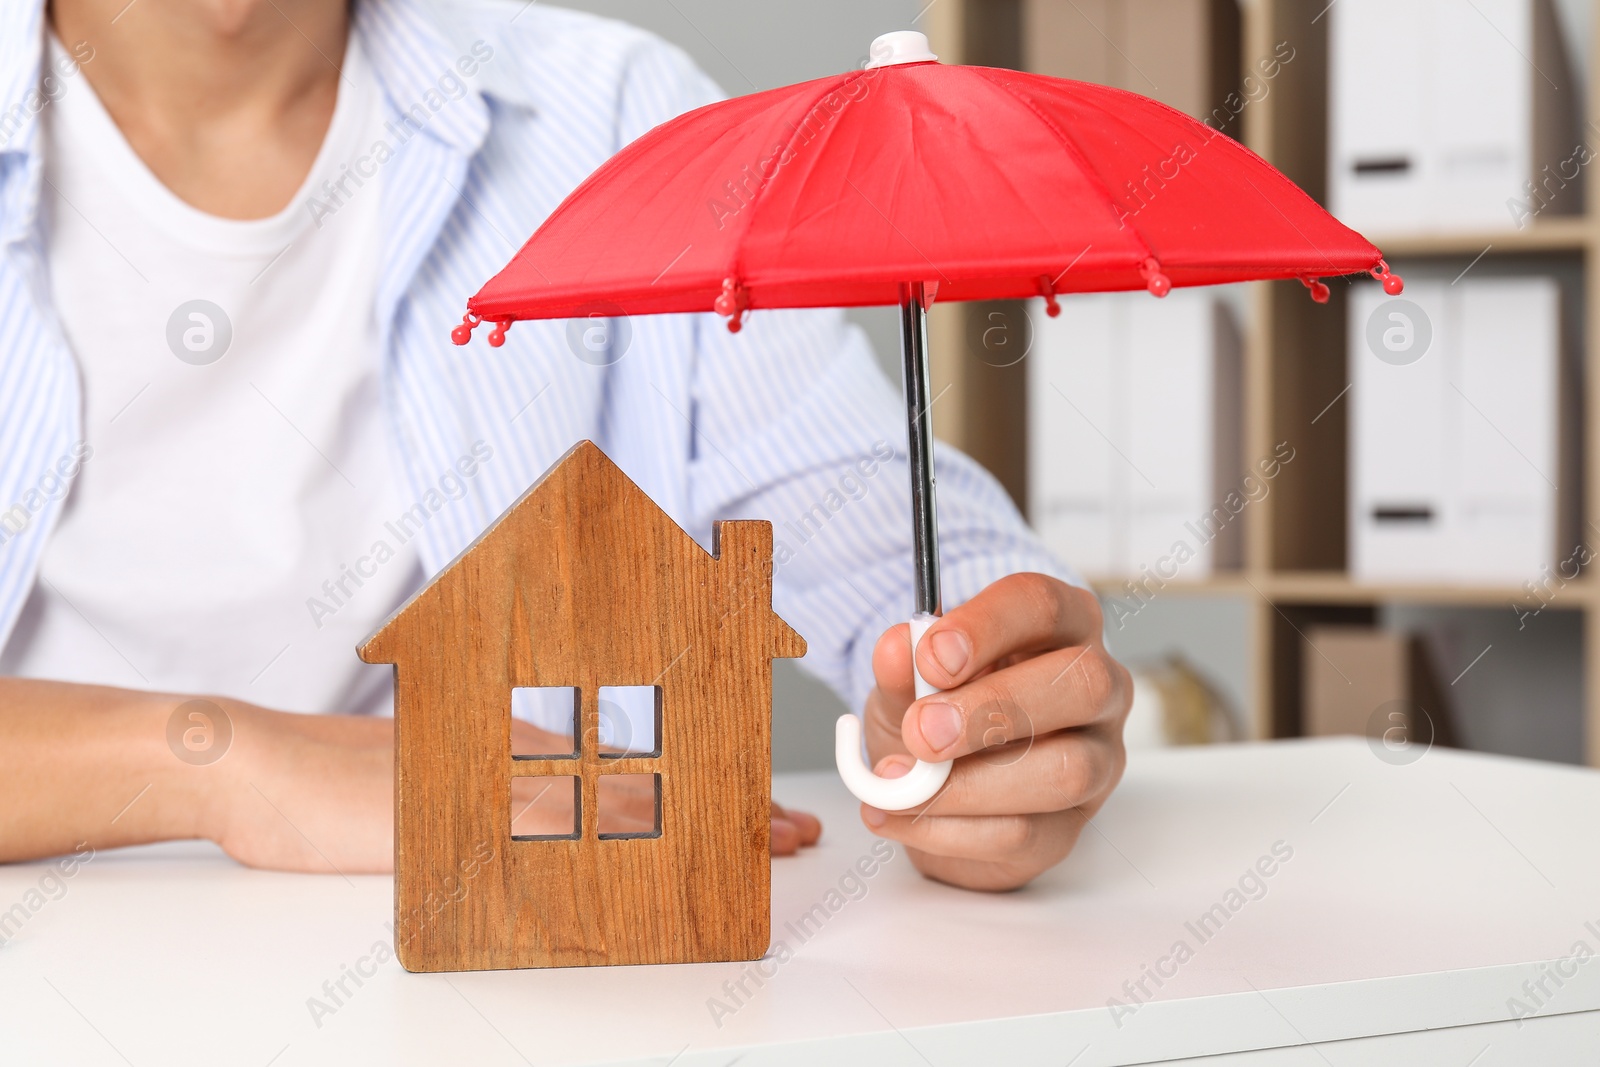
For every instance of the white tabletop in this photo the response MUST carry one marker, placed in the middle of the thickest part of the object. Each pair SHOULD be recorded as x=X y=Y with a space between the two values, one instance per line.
x=1416 y=897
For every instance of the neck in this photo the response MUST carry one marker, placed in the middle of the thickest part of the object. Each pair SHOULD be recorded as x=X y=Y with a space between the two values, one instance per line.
x=227 y=101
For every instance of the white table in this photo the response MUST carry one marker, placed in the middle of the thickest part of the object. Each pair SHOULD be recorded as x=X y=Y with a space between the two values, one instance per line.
x=1416 y=902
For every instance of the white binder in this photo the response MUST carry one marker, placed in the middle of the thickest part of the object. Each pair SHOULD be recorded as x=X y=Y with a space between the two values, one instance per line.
x=1133 y=431
x=1456 y=456
x=1442 y=111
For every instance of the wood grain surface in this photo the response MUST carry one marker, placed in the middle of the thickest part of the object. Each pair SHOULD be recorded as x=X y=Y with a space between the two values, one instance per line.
x=585 y=582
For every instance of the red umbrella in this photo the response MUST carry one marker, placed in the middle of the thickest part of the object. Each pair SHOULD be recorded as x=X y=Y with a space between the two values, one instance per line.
x=904 y=183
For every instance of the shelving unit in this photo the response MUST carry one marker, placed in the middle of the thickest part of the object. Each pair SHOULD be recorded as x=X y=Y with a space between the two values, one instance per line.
x=1295 y=374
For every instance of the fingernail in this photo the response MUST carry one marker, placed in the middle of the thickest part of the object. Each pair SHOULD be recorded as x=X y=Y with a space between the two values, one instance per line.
x=873 y=817
x=952 y=649
x=940 y=724
x=896 y=766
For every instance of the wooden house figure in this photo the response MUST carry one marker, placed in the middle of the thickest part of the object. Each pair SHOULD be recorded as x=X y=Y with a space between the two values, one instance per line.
x=584 y=582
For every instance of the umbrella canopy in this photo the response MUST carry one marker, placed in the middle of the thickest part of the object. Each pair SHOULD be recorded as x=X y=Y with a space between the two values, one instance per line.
x=909 y=182
x=983 y=183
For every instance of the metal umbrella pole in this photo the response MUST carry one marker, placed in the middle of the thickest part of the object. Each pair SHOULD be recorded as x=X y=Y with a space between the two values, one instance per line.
x=919 y=433
x=923 y=781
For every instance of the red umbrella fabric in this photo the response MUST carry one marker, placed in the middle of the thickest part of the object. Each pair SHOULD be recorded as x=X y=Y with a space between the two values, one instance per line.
x=986 y=183
x=911 y=182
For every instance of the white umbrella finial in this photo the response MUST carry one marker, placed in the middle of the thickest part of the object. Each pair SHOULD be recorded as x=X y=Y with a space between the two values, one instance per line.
x=901 y=46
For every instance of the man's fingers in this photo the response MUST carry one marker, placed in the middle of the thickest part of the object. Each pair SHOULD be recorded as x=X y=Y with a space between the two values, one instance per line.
x=980 y=875
x=785 y=837
x=891 y=665
x=882 y=724
x=792 y=830
x=1067 y=688
x=1032 y=841
x=1017 y=615
x=1029 y=776
x=806 y=824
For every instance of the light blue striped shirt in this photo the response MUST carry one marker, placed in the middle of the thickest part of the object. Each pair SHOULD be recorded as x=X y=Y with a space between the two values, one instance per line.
x=789 y=420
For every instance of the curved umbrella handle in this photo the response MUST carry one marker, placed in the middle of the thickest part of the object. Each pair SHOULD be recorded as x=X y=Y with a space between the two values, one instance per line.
x=920 y=784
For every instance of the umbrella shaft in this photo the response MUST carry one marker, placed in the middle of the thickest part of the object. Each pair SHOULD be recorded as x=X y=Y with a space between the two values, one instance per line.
x=919 y=427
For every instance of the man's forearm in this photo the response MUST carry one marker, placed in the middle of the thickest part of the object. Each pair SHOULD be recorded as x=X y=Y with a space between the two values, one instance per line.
x=90 y=764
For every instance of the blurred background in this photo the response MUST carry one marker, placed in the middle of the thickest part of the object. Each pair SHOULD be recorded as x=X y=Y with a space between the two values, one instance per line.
x=1372 y=516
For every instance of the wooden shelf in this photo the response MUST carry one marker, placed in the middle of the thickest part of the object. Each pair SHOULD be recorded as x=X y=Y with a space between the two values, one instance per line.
x=1312 y=587
x=1571 y=233
x=1219 y=585
x=1332 y=587
x=1294 y=373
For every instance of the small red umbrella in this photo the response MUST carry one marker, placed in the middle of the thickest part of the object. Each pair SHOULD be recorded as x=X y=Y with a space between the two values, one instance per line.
x=907 y=182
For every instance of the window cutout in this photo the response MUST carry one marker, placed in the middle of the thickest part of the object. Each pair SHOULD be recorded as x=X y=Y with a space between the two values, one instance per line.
x=630 y=721
x=545 y=808
x=629 y=806
x=544 y=721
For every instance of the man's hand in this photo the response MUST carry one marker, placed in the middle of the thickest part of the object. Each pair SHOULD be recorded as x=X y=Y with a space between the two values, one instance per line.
x=311 y=793
x=316 y=793
x=627 y=803
x=102 y=767
x=1032 y=713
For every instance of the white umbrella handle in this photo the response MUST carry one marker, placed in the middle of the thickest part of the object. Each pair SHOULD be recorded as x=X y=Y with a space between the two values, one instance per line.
x=889 y=794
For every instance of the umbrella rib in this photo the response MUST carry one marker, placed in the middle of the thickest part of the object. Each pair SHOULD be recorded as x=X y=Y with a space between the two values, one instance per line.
x=749 y=219
x=897 y=230
x=1332 y=266
x=1072 y=146
x=617 y=162
x=1248 y=156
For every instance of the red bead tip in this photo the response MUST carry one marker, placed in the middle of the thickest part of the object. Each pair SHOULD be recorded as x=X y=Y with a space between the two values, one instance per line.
x=731 y=304
x=497 y=336
x=1047 y=290
x=1319 y=289
x=463 y=333
x=1155 y=281
x=1393 y=284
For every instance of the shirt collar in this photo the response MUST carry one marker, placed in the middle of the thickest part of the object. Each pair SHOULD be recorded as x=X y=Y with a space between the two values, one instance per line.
x=408 y=53
x=20 y=55
x=20 y=103
x=410 y=57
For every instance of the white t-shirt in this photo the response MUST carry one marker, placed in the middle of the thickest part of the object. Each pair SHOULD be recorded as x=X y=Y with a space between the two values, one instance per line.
x=219 y=538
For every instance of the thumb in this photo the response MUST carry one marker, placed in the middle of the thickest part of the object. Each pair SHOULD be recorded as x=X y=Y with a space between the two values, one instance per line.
x=891 y=664
x=893 y=693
